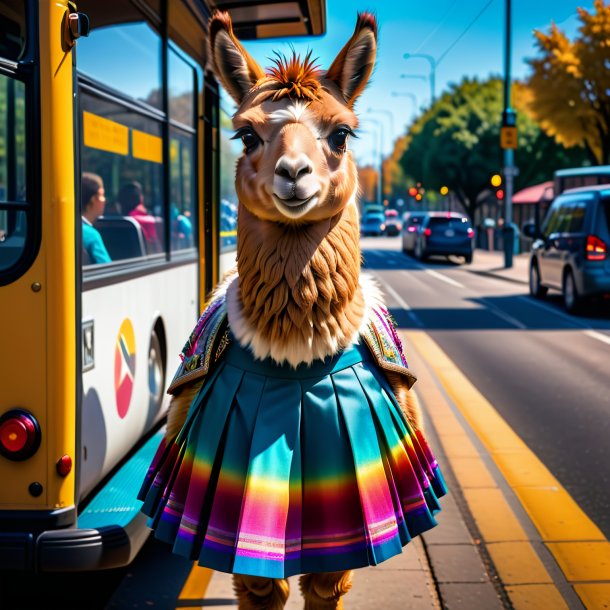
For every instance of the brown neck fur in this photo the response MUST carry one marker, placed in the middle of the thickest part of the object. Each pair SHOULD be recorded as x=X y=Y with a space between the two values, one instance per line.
x=299 y=285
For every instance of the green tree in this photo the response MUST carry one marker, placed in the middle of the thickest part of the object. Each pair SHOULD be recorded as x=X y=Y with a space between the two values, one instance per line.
x=570 y=83
x=456 y=142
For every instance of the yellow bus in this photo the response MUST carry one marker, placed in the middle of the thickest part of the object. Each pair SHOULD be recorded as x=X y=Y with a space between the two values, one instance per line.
x=113 y=227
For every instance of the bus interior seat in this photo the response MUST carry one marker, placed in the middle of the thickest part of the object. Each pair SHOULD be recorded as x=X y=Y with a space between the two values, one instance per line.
x=122 y=237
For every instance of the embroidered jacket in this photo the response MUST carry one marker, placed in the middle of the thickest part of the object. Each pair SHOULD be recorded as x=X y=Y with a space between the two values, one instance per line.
x=211 y=336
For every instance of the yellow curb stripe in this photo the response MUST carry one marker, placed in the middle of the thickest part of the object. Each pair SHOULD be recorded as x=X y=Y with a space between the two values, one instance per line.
x=536 y=597
x=517 y=563
x=583 y=561
x=567 y=531
x=595 y=595
x=196 y=585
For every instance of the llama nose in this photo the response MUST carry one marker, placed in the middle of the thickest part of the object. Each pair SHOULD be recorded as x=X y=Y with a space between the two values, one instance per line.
x=293 y=167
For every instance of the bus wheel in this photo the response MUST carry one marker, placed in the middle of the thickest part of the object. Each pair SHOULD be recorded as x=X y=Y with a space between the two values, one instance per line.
x=156 y=373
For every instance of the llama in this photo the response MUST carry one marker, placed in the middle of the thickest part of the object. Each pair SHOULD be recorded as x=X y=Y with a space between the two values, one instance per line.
x=293 y=444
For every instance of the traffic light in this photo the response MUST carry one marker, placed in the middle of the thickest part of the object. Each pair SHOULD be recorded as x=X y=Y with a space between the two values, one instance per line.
x=412 y=191
x=499 y=194
x=444 y=190
x=496 y=180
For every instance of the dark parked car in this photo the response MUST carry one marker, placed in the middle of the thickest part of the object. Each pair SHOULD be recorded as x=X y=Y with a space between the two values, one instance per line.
x=411 y=222
x=372 y=223
x=569 y=253
x=445 y=234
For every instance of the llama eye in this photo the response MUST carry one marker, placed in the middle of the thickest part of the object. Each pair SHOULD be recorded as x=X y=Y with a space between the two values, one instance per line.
x=249 y=139
x=338 y=139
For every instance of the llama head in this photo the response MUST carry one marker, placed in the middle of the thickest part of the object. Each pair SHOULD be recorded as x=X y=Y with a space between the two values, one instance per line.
x=295 y=122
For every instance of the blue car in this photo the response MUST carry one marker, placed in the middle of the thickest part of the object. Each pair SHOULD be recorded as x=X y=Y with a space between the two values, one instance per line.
x=372 y=223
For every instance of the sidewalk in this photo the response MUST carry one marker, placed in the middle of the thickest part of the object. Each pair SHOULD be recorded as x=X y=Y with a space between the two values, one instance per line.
x=491 y=263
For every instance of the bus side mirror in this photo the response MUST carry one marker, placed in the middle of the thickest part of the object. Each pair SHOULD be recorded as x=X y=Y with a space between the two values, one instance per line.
x=75 y=25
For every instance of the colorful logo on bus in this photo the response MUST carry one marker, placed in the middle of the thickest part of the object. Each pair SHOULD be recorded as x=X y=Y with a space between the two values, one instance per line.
x=124 y=366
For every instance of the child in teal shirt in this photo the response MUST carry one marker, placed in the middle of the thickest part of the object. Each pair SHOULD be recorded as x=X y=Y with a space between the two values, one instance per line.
x=92 y=206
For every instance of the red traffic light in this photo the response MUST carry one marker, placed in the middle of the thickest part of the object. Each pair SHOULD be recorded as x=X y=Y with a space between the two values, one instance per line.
x=499 y=194
x=412 y=191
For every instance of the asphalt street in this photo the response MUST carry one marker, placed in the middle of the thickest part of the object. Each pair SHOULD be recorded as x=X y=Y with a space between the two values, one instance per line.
x=546 y=372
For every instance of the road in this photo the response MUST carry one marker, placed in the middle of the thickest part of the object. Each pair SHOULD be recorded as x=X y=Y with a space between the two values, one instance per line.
x=546 y=372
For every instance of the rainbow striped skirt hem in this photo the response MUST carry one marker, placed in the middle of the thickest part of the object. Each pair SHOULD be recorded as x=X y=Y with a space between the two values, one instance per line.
x=278 y=471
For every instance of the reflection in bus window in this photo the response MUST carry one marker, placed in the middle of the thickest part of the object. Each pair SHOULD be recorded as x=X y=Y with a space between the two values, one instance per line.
x=230 y=151
x=132 y=60
x=182 y=189
x=181 y=90
x=12 y=170
x=12 y=29
x=125 y=148
x=92 y=207
x=182 y=104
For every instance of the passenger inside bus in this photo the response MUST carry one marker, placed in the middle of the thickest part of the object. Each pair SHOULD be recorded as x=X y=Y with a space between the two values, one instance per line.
x=182 y=228
x=92 y=206
x=131 y=200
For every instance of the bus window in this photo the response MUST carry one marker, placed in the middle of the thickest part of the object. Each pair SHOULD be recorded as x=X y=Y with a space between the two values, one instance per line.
x=230 y=151
x=12 y=171
x=182 y=185
x=125 y=57
x=182 y=103
x=125 y=149
x=12 y=29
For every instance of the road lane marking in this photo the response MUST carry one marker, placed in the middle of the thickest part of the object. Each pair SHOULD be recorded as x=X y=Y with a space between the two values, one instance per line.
x=443 y=278
x=399 y=300
x=492 y=308
x=599 y=336
x=577 y=544
x=587 y=330
x=502 y=314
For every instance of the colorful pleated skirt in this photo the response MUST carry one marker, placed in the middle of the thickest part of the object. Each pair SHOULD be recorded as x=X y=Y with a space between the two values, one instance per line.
x=278 y=471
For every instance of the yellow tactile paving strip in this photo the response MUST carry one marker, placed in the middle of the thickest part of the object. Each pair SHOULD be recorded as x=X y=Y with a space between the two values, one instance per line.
x=195 y=587
x=579 y=547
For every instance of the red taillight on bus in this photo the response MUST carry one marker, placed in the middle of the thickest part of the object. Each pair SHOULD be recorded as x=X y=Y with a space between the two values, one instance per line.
x=19 y=435
x=470 y=232
x=595 y=248
x=427 y=231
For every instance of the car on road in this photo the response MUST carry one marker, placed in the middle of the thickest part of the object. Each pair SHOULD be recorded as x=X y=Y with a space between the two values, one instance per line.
x=372 y=223
x=445 y=234
x=411 y=223
x=393 y=225
x=570 y=251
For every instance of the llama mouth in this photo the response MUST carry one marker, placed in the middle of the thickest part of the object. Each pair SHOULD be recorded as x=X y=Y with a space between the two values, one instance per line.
x=294 y=206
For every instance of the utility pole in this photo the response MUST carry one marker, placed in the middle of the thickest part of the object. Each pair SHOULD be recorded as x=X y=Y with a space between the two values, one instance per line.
x=381 y=135
x=508 y=141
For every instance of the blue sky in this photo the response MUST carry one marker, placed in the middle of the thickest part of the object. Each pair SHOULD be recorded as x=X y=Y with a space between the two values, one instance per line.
x=426 y=27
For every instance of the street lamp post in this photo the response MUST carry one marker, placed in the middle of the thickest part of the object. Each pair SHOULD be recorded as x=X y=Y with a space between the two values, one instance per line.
x=416 y=76
x=381 y=142
x=509 y=158
x=432 y=75
x=390 y=117
x=410 y=95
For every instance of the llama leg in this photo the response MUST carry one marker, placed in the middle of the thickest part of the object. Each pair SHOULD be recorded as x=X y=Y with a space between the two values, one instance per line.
x=258 y=593
x=324 y=591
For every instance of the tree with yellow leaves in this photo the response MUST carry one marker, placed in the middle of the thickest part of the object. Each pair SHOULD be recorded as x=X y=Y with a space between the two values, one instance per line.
x=570 y=83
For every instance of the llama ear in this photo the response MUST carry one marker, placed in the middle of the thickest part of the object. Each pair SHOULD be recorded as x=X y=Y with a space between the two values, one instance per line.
x=235 y=68
x=353 y=66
